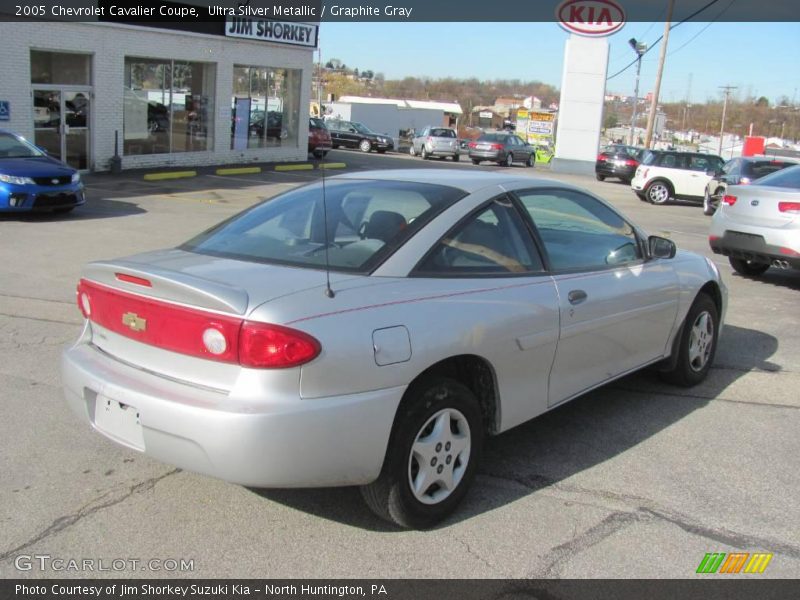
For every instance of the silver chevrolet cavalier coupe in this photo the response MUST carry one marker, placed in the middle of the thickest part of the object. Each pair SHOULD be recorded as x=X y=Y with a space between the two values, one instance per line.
x=374 y=328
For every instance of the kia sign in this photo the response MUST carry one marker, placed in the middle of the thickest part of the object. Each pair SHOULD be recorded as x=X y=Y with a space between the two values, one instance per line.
x=592 y=18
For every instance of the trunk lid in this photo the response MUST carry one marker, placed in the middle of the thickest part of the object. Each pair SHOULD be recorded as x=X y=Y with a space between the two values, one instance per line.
x=759 y=205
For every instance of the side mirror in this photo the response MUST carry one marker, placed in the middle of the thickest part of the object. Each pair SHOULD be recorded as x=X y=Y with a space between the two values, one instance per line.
x=661 y=247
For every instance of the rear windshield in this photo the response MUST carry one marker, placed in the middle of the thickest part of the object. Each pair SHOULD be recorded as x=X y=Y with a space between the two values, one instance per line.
x=318 y=123
x=786 y=178
x=493 y=137
x=446 y=133
x=366 y=221
x=762 y=168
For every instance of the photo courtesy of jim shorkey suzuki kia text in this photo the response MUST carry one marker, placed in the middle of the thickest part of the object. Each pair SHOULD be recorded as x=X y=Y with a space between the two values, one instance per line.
x=124 y=590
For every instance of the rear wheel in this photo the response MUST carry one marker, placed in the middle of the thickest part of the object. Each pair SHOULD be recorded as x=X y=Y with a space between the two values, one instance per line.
x=456 y=158
x=475 y=161
x=365 y=146
x=658 y=192
x=509 y=160
x=747 y=267
x=599 y=177
x=697 y=345
x=432 y=455
x=531 y=160
x=412 y=151
x=424 y=154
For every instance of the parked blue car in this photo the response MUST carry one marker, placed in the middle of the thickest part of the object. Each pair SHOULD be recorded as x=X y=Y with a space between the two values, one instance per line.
x=30 y=180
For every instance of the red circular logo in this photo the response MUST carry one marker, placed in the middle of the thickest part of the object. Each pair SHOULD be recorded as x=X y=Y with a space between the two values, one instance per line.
x=594 y=18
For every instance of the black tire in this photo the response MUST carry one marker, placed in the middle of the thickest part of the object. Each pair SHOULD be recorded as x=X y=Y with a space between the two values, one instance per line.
x=599 y=177
x=747 y=267
x=697 y=344
x=475 y=161
x=531 y=162
x=658 y=191
x=626 y=180
x=391 y=496
x=456 y=157
x=381 y=151
x=509 y=160
x=424 y=153
x=365 y=145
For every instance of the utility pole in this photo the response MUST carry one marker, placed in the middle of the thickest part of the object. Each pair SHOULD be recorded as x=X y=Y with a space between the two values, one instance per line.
x=640 y=49
x=727 y=91
x=651 y=118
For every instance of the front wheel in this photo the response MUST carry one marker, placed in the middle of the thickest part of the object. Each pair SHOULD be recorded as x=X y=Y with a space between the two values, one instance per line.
x=365 y=146
x=747 y=267
x=697 y=344
x=657 y=192
x=531 y=160
x=432 y=455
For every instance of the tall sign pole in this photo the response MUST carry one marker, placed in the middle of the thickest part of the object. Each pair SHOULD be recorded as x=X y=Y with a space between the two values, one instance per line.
x=651 y=117
x=727 y=91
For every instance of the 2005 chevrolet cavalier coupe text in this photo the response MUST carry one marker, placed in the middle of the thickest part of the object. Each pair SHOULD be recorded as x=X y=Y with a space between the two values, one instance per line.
x=460 y=305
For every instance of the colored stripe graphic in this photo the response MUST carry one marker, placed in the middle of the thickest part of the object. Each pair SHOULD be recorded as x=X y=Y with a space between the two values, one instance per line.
x=758 y=562
x=734 y=562
x=711 y=562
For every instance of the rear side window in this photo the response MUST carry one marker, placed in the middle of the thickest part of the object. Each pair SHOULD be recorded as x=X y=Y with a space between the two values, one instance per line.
x=673 y=161
x=319 y=123
x=366 y=221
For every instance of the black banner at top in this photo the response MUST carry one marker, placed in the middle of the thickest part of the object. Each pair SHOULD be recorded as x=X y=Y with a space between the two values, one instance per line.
x=192 y=12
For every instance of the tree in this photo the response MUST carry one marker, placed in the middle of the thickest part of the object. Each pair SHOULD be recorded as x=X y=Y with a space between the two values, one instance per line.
x=762 y=102
x=610 y=121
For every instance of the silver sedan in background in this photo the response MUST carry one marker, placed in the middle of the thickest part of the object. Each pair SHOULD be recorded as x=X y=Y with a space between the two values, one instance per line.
x=758 y=225
x=374 y=330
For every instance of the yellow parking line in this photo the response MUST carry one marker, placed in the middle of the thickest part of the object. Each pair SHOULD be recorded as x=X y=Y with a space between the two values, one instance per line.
x=238 y=171
x=332 y=166
x=306 y=167
x=169 y=175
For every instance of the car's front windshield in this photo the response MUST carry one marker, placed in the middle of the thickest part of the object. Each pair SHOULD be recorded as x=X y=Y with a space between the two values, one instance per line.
x=366 y=221
x=360 y=128
x=13 y=147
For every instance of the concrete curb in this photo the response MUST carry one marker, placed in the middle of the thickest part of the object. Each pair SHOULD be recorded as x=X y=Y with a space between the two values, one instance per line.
x=169 y=175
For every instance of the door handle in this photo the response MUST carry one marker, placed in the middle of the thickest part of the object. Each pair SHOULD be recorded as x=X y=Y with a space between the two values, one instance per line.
x=576 y=296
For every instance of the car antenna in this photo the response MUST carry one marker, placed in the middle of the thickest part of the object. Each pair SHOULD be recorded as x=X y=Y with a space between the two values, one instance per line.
x=328 y=290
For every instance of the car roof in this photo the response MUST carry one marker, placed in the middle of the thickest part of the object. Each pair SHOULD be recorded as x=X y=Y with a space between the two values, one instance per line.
x=468 y=181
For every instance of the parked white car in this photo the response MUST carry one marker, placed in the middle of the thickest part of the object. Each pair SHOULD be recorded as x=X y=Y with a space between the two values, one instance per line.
x=665 y=175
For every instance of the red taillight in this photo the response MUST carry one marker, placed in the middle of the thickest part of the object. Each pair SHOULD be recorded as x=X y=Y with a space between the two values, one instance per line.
x=133 y=279
x=631 y=163
x=195 y=332
x=266 y=346
x=644 y=173
x=497 y=146
x=712 y=239
x=473 y=145
x=789 y=207
x=789 y=252
x=729 y=200
x=601 y=158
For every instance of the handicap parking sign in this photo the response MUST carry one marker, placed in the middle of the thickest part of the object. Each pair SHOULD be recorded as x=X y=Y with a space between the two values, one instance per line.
x=5 y=110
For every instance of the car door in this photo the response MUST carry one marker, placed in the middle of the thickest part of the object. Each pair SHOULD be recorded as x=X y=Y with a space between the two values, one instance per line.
x=420 y=138
x=698 y=178
x=494 y=276
x=617 y=308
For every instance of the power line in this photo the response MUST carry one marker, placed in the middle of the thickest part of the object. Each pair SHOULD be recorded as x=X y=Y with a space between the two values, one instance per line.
x=710 y=23
x=653 y=45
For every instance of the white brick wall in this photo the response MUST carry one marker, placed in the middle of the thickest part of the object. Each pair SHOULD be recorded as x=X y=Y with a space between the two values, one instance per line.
x=110 y=44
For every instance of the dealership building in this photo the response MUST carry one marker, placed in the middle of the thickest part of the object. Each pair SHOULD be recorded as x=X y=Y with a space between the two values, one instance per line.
x=230 y=91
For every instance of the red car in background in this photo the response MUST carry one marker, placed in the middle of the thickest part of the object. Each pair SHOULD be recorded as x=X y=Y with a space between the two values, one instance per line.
x=319 y=138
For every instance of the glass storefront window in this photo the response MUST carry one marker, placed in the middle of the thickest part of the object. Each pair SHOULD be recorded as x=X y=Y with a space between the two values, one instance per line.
x=60 y=68
x=169 y=106
x=265 y=107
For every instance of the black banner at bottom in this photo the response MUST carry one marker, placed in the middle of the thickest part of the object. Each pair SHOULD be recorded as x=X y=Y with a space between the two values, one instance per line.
x=400 y=589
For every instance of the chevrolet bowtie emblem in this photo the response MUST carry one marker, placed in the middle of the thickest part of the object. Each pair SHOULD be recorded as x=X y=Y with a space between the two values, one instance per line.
x=134 y=321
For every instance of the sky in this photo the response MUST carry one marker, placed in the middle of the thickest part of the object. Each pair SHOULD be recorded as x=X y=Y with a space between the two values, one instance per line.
x=761 y=59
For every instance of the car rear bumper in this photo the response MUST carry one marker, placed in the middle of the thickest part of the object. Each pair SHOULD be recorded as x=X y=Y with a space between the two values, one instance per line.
x=486 y=154
x=750 y=243
x=609 y=169
x=299 y=443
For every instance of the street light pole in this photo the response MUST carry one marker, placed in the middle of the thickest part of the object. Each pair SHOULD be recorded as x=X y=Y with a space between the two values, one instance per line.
x=640 y=49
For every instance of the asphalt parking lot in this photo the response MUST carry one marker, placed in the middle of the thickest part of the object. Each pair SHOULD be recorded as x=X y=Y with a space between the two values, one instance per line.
x=635 y=480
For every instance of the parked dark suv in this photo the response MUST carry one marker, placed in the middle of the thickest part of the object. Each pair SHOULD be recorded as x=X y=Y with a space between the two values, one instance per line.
x=740 y=171
x=617 y=160
x=351 y=134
